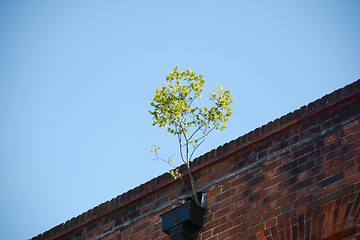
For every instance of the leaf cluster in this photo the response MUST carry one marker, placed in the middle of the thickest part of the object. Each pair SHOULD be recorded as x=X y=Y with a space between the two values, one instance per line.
x=174 y=108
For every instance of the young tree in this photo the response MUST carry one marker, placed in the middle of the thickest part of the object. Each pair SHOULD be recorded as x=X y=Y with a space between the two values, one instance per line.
x=175 y=108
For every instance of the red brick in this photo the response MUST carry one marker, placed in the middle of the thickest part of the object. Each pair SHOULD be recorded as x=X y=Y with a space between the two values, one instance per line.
x=331 y=138
x=214 y=192
x=271 y=214
x=303 y=192
x=240 y=188
x=303 y=201
x=255 y=213
x=271 y=222
x=224 y=211
x=222 y=228
x=301 y=209
x=224 y=195
x=349 y=172
x=329 y=214
x=223 y=235
x=271 y=166
x=256 y=229
x=238 y=212
x=331 y=188
x=206 y=235
x=258 y=188
x=285 y=192
x=304 y=175
x=260 y=236
x=271 y=190
x=239 y=228
x=287 y=215
x=286 y=199
x=272 y=181
x=257 y=196
x=271 y=173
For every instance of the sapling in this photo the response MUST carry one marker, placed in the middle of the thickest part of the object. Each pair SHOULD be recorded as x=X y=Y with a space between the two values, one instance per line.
x=176 y=108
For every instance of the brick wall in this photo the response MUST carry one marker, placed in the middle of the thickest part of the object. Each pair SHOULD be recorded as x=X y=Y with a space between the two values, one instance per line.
x=297 y=177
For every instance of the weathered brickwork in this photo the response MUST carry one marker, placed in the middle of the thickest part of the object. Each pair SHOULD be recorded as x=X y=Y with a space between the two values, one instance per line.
x=297 y=177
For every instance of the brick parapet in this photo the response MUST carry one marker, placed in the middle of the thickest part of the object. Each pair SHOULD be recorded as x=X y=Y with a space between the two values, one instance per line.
x=308 y=190
x=290 y=134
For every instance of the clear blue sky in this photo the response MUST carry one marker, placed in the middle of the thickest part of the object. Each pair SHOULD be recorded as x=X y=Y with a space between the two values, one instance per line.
x=77 y=77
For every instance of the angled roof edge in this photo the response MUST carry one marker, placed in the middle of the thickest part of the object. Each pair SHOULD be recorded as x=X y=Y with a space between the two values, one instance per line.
x=280 y=124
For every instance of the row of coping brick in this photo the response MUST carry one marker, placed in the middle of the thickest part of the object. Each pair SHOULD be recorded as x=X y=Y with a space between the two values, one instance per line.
x=279 y=125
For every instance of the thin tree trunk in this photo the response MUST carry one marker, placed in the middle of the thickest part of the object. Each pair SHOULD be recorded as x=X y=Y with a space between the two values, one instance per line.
x=193 y=185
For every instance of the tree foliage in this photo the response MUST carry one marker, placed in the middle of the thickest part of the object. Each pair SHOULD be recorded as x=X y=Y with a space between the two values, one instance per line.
x=175 y=107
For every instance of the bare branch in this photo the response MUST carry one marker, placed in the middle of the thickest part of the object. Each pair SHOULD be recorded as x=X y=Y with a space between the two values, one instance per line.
x=162 y=159
x=208 y=132
x=195 y=132
x=192 y=153
x=181 y=146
